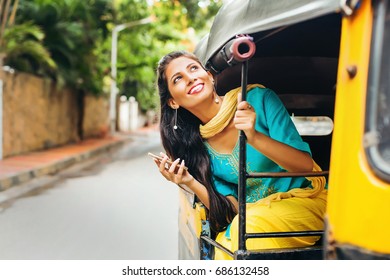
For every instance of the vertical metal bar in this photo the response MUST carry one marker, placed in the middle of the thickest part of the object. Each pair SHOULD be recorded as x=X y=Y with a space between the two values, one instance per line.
x=242 y=170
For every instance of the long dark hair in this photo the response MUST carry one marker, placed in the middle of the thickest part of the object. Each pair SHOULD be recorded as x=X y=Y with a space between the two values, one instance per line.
x=186 y=143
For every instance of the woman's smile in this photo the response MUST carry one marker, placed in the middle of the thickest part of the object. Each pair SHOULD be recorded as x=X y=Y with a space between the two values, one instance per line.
x=196 y=89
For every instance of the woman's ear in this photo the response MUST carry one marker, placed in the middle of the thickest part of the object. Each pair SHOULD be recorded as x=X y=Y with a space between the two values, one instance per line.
x=172 y=103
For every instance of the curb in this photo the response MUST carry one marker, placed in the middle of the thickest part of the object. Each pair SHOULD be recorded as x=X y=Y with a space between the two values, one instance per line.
x=9 y=181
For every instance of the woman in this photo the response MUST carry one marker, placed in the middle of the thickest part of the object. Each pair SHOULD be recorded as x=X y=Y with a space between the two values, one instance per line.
x=199 y=130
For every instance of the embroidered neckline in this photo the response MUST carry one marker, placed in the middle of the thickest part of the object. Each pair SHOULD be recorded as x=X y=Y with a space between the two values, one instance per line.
x=255 y=186
x=218 y=154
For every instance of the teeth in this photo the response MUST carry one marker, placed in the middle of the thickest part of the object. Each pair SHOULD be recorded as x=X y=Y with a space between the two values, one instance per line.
x=196 y=89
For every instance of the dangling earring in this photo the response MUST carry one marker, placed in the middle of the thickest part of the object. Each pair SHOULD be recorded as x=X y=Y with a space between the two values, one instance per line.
x=175 y=125
x=216 y=99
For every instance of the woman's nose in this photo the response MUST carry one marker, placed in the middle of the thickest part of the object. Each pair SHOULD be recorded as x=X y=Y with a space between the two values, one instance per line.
x=191 y=78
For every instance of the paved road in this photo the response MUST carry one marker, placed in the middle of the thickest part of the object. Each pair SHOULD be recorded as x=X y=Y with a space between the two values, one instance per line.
x=120 y=208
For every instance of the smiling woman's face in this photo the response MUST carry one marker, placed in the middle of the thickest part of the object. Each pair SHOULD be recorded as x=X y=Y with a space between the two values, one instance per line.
x=188 y=83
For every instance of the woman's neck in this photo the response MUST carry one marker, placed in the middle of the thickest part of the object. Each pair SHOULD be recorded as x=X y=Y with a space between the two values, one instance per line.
x=206 y=112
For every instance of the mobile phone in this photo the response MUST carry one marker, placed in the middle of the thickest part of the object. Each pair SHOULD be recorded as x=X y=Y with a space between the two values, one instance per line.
x=169 y=162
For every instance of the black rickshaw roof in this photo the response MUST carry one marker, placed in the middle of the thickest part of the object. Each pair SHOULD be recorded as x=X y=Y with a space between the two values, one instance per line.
x=254 y=16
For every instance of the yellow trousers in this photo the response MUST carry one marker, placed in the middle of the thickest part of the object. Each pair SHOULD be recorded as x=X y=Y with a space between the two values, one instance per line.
x=291 y=214
x=296 y=210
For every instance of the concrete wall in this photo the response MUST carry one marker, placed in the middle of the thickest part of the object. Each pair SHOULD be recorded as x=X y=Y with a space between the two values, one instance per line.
x=37 y=115
x=96 y=116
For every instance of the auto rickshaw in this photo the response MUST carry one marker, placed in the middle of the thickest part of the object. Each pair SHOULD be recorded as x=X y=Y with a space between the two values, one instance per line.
x=329 y=63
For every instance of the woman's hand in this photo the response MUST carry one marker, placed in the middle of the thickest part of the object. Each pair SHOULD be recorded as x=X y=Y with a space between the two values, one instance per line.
x=245 y=119
x=178 y=175
x=175 y=172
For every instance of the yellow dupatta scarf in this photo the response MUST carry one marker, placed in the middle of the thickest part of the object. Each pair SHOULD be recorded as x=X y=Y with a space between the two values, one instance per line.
x=318 y=188
x=225 y=114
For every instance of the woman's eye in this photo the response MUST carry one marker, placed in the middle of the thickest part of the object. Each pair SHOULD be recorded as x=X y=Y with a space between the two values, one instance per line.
x=175 y=80
x=194 y=67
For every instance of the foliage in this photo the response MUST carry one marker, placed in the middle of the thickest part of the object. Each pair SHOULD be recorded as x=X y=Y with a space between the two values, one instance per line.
x=73 y=29
x=73 y=39
x=140 y=48
x=22 y=45
x=25 y=51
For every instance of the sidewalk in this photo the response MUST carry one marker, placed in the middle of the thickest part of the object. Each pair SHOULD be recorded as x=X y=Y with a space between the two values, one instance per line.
x=23 y=168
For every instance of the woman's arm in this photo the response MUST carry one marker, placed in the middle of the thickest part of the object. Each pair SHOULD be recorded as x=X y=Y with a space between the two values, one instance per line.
x=287 y=157
x=200 y=191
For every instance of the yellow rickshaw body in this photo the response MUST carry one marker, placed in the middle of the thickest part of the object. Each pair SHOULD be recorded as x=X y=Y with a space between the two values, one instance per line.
x=359 y=202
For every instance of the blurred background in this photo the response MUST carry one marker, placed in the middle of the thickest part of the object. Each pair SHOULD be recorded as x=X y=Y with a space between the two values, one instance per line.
x=76 y=79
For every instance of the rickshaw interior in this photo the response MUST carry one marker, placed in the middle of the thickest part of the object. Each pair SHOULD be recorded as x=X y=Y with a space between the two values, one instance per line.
x=299 y=62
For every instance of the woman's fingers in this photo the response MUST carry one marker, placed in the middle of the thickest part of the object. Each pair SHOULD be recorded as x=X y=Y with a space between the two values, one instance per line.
x=172 y=172
x=181 y=168
x=163 y=163
x=239 y=97
x=161 y=167
x=172 y=168
x=245 y=118
x=175 y=171
x=244 y=105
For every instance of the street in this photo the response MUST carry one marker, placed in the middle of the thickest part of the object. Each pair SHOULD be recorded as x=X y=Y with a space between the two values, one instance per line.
x=119 y=208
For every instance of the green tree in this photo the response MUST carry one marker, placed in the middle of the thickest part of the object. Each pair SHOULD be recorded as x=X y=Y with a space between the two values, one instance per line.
x=140 y=48
x=21 y=45
x=76 y=40
x=24 y=50
x=136 y=53
x=72 y=31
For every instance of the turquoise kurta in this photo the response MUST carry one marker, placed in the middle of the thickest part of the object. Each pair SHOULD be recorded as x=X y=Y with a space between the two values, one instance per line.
x=272 y=119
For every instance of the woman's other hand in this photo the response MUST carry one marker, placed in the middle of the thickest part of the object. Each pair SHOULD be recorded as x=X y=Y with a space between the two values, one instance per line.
x=245 y=119
x=175 y=172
